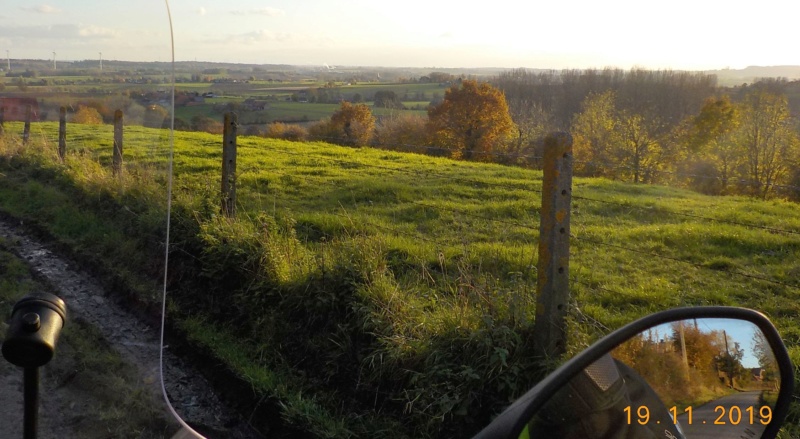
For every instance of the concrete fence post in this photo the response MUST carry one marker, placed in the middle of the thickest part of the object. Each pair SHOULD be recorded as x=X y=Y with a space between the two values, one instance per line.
x=552 y=301
x=229 y=164
x=116 y=164
x=62 y=133
x=26 y=132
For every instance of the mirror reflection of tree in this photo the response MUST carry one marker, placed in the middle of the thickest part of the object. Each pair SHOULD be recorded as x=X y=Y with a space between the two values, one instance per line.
x=687 y=366
x=767 y=375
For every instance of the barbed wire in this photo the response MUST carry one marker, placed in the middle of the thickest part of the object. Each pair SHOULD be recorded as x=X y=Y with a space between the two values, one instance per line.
x=473 y=215
x=417 y=236
x=682 y=261
x=363 y=220
x=688 y=215
x=415 y=172
x=650 y=170
x=465 y=213
x=419 y=148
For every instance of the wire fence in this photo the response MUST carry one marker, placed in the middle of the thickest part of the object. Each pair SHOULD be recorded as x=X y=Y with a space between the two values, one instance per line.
x=472 y=224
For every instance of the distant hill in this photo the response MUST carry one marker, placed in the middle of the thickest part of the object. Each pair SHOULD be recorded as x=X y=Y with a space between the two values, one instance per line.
x=730 y=77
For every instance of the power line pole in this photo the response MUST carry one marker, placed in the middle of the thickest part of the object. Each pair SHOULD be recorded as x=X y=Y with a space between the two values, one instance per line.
x=54 y=60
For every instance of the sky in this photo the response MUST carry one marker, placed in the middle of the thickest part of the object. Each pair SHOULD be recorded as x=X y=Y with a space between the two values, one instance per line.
x=553 y=34
x=737 y=331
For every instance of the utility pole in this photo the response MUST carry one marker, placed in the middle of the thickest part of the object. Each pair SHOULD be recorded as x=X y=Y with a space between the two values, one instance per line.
x=684 y=355
x=54 y=60
x=8 y=58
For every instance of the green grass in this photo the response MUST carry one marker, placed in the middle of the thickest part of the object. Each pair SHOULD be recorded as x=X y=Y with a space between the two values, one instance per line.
x=410 y=280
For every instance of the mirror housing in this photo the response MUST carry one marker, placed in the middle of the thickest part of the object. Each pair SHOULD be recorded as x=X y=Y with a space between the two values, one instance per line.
x=33 y=330
x=512 y=421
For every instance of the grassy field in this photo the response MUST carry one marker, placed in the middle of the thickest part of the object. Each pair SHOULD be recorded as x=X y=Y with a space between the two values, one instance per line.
x=409 y=280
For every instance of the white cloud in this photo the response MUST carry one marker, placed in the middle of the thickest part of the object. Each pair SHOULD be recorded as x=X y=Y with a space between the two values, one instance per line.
x=261 y=36
x=43 y=9
x=268 y=12
x=96 y=32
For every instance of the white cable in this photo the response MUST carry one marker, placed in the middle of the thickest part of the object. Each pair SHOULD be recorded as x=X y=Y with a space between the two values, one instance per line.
x=186 y=431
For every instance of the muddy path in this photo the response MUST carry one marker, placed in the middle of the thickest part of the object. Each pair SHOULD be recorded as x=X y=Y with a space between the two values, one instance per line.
x=105 y=316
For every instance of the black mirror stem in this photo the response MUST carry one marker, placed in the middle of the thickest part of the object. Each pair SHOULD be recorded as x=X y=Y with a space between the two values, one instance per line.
x=31 y=396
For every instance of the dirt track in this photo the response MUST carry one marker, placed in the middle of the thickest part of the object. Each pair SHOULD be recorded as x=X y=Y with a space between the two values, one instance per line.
x=136 y=342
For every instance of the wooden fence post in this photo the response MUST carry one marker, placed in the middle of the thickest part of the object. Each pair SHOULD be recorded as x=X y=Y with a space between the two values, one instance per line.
x=229 y=164
x=552 y=298
x=26 y=133
x=62 y=133
x=116 y=164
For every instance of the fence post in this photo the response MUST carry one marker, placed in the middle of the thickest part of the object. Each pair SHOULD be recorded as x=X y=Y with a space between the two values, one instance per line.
x=2 y=120
x=229 y=164
x=553 y=267
x=116 y=164
x=62 y=133
x=26 y=133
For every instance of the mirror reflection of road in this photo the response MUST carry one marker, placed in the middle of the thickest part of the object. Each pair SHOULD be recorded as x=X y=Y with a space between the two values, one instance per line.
x=703 y=418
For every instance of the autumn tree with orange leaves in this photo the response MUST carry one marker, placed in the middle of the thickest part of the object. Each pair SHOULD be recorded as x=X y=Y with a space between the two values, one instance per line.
x=472 y=122
x=353 y=124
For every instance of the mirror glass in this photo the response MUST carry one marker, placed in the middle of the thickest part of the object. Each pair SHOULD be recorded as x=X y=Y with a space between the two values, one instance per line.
x=699 y=378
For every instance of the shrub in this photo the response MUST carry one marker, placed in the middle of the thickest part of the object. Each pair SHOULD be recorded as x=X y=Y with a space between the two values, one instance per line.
x=87 y=116
x=403 y=132
x=252 y=130
x=206 y=124
x=351 y=125
x=295 y=133
x=323 y=131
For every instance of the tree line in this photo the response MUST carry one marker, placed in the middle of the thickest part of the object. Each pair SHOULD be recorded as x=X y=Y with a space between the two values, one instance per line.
x=664 y=127
x=642 y=126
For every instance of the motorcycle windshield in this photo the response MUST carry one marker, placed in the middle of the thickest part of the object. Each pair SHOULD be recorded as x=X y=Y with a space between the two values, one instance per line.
x=86 y=115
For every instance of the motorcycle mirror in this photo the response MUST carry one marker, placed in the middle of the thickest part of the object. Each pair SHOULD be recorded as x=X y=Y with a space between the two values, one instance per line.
x=689 y=373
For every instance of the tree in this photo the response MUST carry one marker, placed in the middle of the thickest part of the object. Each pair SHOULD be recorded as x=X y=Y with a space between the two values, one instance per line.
x=594 y=134
x=712 y=154
x=387 y=99
x=353 y=124
x=614 y=142
x=156 y=116
x=472 y=121
x=87 y=116
x=765 y=355
x=730 y=362
x=21 y=84
x=638 y=151
x=768 y=140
